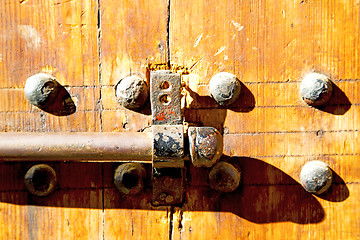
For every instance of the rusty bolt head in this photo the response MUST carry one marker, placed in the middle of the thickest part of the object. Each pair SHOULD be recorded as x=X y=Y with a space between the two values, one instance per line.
x=224 y=177
x=224 y=88
x=129 y=178
x=40 y=180
x=316 y=177
x=206 y=146
x=132 y=92
x=316 y=89
x=40 y=89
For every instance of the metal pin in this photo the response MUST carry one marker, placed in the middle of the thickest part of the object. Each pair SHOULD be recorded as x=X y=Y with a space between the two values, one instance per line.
x=316 y=177
x=224 y=88
x=206 y=146
x=224 y=177
x=129 y=178
x=40 y=180
x=132 y=92
x=40 y=89
x=316 y=89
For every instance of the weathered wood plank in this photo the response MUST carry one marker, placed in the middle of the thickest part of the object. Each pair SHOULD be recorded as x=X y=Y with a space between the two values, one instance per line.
x=270 y=132
x=133 y=35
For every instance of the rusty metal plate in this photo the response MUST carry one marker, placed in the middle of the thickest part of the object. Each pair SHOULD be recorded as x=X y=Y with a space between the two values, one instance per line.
x=168 y=146
x=165 y=95
x=168 y=138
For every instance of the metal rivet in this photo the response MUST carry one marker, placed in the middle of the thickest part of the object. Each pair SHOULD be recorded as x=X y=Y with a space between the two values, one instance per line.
x=206 y=146
x=129 y=178
x=40 y=89
x=316 y=177
x=40 y=180
x=132 y=92
x=224 y=88
x=316 y=89
x=224 y=177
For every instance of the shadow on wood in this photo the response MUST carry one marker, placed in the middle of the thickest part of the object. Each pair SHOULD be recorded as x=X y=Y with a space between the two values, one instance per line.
x=338 y=104
x=62 y=103
x=266 y=194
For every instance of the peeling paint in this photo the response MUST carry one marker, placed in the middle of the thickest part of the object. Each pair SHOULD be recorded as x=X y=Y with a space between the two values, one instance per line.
x=238 y=26
x=197 y=40
x=220 y=50
x=30 y=35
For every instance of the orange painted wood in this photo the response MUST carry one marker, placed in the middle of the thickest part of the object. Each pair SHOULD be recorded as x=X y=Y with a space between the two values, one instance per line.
x=269 y=132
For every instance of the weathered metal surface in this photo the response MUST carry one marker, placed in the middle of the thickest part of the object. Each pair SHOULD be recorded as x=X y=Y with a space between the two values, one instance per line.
x=76 y=146
x=168 y=186
x=168 y=138
x=40 y=89
x=316 y=177
x=316 y=89
x=224 y=177
x=129 y=178
x=224 y=88
x=206 y=146
x=168 y=146
x=44 y=92
x=165 y=95
x=40 y=180
x=132 y=92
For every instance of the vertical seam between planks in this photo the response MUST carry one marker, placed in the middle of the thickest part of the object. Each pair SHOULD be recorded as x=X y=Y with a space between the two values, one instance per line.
x=168 y=61
x=168 y=54
x=101 y=112
x=99 y=66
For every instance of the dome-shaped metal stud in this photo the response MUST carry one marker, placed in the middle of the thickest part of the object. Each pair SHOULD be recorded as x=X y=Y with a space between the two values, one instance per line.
x=316 y=89
x=224 y=88
x=224 y=177
x=129 y=178
x=316 y=177
x=132 y=92
x=40 y=89
x=40 y=180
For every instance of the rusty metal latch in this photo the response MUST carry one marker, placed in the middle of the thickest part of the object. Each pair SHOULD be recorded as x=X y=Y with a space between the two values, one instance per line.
x=168 y=138
x=164 y=147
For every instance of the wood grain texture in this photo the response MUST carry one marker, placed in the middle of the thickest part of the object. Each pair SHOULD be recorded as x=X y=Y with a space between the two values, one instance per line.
x=133 y=35
x=269 y=132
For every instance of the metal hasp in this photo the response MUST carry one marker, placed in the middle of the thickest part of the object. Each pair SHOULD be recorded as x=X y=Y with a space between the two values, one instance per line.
x=168 y=138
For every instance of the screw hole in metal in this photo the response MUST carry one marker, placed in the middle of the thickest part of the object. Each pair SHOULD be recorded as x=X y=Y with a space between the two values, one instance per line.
x=165 y=99
x=165 y=85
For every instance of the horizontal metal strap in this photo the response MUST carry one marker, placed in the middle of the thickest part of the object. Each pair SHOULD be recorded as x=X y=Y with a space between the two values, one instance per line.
x=135 y=147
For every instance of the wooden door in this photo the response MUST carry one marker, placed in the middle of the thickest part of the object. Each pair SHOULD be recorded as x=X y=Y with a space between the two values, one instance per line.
x=88 y=45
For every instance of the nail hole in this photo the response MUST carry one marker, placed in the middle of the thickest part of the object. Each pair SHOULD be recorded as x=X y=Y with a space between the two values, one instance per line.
x=165 y=99
x=165 y=85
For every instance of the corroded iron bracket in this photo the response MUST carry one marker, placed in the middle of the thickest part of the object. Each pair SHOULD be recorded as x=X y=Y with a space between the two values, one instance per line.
x=168 y=138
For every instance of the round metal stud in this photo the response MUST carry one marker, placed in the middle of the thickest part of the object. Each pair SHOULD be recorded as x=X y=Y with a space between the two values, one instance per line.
x=206 y=146
x=316 y=177
x=132 y=92
x=316 y=89
x=224 y=177
x=129 y=178
x=40 y=180
x=40 y=89
x=224 y=88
